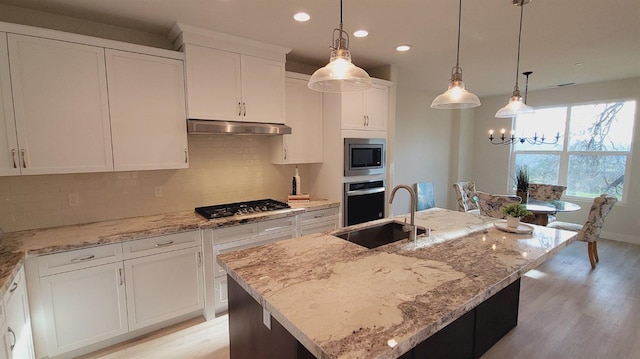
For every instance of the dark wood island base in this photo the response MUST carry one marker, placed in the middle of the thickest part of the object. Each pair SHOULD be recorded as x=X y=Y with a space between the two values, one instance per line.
x=469 y=336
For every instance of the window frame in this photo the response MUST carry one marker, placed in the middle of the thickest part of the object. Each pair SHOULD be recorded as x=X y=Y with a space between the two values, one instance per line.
x=565 y=154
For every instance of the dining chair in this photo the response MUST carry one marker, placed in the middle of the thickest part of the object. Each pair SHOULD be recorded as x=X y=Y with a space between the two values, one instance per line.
x=590 y=231
x=546 y=192
x=464 y=194
x=491 y=204
x=425 y=194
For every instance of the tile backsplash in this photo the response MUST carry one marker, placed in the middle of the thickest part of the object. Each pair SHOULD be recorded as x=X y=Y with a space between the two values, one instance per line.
x=222 y=169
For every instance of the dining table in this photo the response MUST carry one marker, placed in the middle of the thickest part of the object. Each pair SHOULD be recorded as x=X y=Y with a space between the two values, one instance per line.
x=542 y=210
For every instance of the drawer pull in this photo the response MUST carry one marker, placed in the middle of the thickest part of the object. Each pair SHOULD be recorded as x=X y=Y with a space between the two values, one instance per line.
x=13 y=287
x=13 y=334
x=85 y=258
x=164 y=244
x=120 y=276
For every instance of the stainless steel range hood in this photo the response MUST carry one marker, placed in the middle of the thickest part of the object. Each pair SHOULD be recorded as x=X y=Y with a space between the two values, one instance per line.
x=209 y=127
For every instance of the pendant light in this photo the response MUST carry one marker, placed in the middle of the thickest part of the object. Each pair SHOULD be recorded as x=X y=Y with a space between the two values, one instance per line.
x=340 y=75
x=516 y=106
x=456 y=96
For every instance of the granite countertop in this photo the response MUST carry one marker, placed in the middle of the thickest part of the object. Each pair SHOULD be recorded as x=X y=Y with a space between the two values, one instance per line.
x=15 y=246
x=341 y=300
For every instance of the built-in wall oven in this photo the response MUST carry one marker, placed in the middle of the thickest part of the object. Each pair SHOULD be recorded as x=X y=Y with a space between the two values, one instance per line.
x=364 y=156
x=363 y=201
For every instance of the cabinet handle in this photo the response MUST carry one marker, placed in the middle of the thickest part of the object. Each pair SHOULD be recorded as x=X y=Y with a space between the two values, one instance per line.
x=244 y=109
x=199 y=259
x=13 y=287
x=186 y=156
x=85 y=258
x=24 y=159
x=13 y=156
x=13 y=334
x=239 y=109
x=120 y=276
x=285 y=152
x=163 y=244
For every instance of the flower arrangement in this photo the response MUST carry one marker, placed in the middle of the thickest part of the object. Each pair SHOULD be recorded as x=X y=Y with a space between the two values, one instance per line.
x=515 y=210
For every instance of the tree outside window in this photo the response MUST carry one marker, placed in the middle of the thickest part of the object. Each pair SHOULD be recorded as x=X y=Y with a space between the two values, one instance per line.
x=592 y=154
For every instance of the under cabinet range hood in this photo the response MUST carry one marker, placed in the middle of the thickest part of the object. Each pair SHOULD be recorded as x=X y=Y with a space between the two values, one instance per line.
x=210 y=127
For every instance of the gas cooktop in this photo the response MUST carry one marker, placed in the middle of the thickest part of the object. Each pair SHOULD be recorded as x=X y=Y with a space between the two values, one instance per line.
x=240 y=208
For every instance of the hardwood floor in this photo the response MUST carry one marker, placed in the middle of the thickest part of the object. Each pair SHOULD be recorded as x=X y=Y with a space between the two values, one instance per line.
x=567 y=310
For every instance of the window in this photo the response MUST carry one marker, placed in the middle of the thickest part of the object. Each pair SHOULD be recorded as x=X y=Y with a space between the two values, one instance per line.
x=592 y=154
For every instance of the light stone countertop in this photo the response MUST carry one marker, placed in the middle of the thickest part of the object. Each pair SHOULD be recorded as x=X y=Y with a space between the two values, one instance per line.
x=15 y=246
x=341 y=300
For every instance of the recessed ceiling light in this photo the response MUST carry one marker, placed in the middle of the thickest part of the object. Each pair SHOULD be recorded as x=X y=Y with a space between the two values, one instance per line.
x=579 y=63
x=361 y=33
x=301 y=16
x=403 y=48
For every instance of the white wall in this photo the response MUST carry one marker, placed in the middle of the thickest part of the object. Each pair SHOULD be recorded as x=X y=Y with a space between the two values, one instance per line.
x=422 y=147
x=491 y=163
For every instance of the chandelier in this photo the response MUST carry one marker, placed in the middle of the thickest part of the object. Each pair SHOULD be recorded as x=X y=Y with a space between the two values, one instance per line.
x=512 y=138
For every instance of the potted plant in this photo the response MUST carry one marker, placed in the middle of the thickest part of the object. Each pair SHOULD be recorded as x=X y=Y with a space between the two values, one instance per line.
x=514 y=212
x=522 y=183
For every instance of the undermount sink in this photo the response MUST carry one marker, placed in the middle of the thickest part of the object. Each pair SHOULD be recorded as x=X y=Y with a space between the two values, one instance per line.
x=376 y=236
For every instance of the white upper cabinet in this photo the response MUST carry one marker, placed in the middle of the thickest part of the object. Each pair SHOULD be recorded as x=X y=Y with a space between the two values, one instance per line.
x=61 y=106
x=263 y=90
x=214 y=87
x=304 y=116
x=224 y=85
x=366 y=110
x=9 y=151
x=148 y=115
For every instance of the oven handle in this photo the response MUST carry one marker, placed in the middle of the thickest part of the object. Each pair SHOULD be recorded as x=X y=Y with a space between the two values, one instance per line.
x=361 y=192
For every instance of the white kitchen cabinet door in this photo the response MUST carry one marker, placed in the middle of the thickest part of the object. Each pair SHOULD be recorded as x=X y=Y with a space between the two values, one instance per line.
x=148 y=115
x=61 y=106
x=214 y=85
x=366 y=110
x=18 y=323
x=263 y=90
x=9 y=151
x=164 y=286
x=304 y=116
x=5 y=337
x=83 y=307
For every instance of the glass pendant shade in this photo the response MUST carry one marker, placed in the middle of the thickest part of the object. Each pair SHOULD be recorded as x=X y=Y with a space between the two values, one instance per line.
x=339 y=75
x=514 y=108
x=456 y=96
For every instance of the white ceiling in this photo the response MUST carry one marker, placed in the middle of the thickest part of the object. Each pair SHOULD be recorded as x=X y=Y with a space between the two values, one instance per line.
x=604 y=36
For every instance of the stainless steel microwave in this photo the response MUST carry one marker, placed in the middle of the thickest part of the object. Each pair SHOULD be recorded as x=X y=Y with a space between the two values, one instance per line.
x=364 y=156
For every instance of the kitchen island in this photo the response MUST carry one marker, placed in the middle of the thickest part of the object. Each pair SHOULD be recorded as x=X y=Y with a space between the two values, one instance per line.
x=337 y=299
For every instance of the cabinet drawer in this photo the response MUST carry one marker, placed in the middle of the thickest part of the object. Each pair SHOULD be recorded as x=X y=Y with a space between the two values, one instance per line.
x=160 y=244
x=318 y=215
x=77 y=259
x=318 y=227
x=3 y=316
x=235 y=233
x=17 y=286
x=276 y=225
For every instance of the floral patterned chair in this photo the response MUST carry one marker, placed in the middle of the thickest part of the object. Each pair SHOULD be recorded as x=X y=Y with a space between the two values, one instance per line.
x=464 y=195
x=590 y=231
x=491 y=204
x=546 y=192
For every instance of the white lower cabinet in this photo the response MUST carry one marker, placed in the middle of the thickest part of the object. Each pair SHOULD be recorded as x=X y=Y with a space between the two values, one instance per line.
x=318 y=221
x=16 y=331
x=84 y=306
x=163 y=286
x=4 y=333
x=94 y=297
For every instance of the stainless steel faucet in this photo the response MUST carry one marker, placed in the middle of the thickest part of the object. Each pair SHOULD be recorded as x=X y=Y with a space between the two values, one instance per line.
x=411 y=228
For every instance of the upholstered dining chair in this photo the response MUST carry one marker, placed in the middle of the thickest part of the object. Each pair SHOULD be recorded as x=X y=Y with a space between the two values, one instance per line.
x=491 y=204
x=590 y=231
x=546 y=192
x=464 y=194
x=426 y=197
